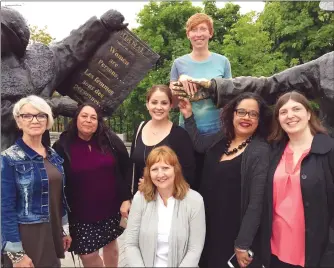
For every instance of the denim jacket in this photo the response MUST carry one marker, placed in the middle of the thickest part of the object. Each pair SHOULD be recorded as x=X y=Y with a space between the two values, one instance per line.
x=25 y=191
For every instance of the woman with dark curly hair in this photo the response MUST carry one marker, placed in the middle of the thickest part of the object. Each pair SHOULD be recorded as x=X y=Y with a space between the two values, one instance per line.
x=96 y=165
x=233 y=178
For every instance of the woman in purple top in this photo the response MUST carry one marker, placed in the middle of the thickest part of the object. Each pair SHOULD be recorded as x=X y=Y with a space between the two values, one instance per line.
x=97 y=165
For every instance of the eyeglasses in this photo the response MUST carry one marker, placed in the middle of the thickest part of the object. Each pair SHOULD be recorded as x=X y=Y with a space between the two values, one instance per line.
x=30 y=117
x=200 y=30
x=242 y=113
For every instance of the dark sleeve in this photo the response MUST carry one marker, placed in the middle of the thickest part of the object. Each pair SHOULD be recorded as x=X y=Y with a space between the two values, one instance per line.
x=58 y=148
x=314 y=79
x=134 y=140
x=77 y=47
x=134 y=168
x=252 y=218
x=331 y=162
x=62 y=105
x=124 y=165
x=181 y=144
x=200 y=142
x=9 y=129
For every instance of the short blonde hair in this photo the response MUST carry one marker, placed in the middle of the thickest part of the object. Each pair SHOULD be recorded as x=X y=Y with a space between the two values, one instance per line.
x=36 y=102
x=199 y=18
x=167 y=155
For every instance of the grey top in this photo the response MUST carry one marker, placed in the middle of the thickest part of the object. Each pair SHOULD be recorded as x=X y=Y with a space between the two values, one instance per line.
x=187 y=234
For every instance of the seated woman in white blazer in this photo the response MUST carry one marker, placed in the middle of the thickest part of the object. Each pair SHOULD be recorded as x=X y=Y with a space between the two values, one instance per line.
x=166 y=225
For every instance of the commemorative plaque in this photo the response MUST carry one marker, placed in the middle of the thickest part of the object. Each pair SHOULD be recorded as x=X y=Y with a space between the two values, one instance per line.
x=113 y=71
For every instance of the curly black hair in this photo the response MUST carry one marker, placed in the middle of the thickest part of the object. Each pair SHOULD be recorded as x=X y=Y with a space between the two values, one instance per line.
x=101 y=132
x=265 y=116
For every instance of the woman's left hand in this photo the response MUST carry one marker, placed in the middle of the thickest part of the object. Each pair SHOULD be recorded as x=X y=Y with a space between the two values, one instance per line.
x=243 y=258
x=125 y=208
x=67 y=240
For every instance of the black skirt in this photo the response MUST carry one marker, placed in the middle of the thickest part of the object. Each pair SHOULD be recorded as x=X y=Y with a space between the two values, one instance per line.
x=90 y=237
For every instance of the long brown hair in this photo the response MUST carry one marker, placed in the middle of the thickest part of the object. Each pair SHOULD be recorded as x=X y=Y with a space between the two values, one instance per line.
x=167 y=155
x=277 y=132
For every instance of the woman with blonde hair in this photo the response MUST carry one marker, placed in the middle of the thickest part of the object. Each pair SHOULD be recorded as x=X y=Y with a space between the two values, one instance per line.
x=33 y=203
x=166 y=225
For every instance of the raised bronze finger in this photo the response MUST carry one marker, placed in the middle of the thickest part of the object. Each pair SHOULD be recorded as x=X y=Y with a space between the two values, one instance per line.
x=181 y=94
x=177 y=88
x=177 y=83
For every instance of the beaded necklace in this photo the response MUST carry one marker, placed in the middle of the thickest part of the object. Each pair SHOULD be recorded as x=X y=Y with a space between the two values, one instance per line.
x=235 y=150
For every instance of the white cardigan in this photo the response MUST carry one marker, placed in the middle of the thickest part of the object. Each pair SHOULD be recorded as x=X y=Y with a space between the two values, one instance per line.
x=186 y=238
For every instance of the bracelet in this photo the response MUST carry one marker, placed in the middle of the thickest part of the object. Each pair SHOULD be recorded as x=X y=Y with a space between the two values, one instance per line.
x=240 y=250
x=64 y=233
x=16 y=257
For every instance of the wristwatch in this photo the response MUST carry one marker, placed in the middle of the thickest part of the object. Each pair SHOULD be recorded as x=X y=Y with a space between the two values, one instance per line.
x=16 y=257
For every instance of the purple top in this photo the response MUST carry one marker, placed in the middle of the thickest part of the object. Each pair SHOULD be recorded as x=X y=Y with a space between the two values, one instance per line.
x=93 y=179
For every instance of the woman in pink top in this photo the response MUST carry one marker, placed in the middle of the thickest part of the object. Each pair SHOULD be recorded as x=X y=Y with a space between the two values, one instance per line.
x=299 y=211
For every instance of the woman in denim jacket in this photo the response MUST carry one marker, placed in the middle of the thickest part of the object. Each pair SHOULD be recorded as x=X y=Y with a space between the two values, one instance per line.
x=33 y=204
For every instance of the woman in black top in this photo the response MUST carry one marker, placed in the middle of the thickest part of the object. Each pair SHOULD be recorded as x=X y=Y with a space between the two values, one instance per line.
x=161 y=131
x=233 y=178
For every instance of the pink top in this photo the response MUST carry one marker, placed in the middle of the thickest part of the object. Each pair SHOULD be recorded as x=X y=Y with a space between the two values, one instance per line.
x=288 y=230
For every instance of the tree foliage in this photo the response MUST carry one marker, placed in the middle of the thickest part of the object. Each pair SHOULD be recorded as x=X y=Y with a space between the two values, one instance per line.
x=248 y=48
x=40 y=35
x=299 y=30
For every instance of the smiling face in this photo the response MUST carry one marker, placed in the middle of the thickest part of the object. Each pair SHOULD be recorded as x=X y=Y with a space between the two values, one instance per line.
x=32 y=121
x=246 y=124
x=199 y=36
x=293 y=117
x=162 y=175
x=87 y=121
x=159 y=105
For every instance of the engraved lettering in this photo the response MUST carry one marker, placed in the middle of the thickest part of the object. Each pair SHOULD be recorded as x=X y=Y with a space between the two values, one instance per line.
x=108 y=69
x=89 y=74
x=99 y=93
x=112 y=62
x=132 y=42
x=89 y=86
x=118 y=56
x=98 y=81
x=80 y=90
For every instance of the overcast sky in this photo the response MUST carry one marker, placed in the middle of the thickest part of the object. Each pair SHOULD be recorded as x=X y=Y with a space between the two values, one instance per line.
x=62 y=17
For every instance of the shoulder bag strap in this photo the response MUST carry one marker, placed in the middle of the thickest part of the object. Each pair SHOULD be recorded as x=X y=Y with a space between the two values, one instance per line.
x=133 y=165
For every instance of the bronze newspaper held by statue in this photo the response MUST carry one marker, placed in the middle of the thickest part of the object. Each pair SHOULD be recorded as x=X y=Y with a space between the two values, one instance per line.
x=115 y=69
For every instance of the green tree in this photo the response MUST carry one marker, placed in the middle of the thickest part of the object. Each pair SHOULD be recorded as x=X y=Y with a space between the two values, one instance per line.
x=40 y=35
x=248 y=48
x=300 y=30
x=223 y=20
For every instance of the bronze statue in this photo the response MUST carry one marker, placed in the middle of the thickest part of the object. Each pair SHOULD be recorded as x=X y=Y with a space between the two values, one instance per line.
x=315 y=79
x=38 y=69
